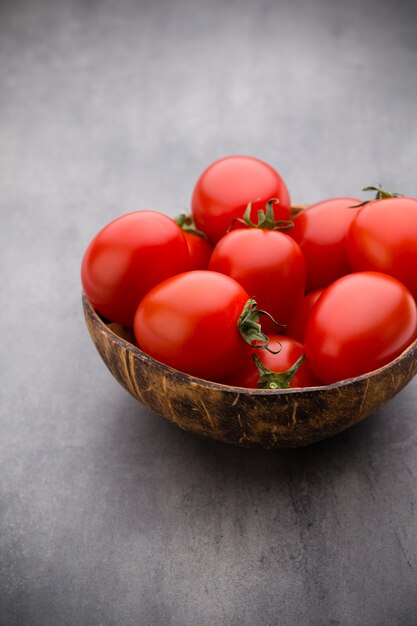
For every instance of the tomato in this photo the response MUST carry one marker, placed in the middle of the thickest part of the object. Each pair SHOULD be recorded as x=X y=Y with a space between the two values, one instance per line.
x=320 y=231
x=360 y=322
x=270 y=267
x=194 y=323
x=199 y=247
x=288 y=352
x=296 y=327
x=228 y=185
x=127 y=258
x=383 y=237
x=200 y=251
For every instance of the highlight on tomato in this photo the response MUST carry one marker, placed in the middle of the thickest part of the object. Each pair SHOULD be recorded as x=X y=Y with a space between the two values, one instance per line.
x=228 y=185
x=383 y=237
x=128 y=257
x=199 y=322
x=266 y=262
x=361 y=322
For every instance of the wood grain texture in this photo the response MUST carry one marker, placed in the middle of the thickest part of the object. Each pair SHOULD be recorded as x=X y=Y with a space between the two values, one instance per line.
x=266 y=418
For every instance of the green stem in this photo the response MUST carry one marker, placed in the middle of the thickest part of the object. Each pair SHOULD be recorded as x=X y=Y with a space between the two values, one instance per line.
x=186 y=223
x=381 y=194
x=265 y=217
x=276 y=380
x=250 y=328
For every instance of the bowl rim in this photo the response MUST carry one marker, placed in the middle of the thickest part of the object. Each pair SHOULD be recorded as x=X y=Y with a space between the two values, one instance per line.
x=138 y=352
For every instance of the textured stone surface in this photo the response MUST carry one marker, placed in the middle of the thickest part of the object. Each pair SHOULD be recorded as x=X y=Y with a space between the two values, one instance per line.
x=108 y=514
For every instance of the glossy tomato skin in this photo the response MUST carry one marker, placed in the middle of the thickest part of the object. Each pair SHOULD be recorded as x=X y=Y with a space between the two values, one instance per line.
x=190 y=323
x=320 y=230
x=225 y=188
x=290 y=352
x=200 y=250
x=383 y=238
x=270 y=267
x=127 y=258
x=361 y=322
x=297 y=325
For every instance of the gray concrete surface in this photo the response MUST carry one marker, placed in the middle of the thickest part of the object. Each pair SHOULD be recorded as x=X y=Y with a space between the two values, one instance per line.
x=109 y=515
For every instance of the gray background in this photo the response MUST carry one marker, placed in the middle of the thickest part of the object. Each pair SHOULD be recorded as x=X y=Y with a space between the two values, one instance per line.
x=110 y=515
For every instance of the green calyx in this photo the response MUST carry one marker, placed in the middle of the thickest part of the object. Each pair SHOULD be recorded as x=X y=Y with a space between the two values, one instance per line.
x=186 y=223
x=266 y=218
x=276 y=380
x=250 y=328
x=380 y=194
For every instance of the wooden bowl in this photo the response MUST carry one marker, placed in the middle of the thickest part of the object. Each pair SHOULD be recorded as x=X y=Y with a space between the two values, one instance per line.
x=247 y=417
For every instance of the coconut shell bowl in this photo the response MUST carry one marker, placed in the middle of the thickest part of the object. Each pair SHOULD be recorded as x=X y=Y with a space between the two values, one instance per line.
x=247 y=417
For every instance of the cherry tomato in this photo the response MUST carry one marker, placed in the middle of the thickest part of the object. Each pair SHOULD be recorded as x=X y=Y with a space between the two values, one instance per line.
x=383 y=237
x=191 y=322
x=228 y=185
x=270 y=267
x=199 y=246
x=360 y=322
x=320 y=231
x=200 y=251
x=127 y=258
x=290 y=352
x=296 y=327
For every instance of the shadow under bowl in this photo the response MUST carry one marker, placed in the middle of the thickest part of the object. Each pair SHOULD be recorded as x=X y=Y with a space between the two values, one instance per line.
x=246 y=417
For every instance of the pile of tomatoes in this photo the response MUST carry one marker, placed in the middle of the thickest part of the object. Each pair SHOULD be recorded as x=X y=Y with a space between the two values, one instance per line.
x=247 y=291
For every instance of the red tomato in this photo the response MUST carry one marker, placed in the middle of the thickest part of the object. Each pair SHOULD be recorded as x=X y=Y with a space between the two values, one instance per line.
x=226 y=187
x=383 y=237
x=127 y=258
x=290 y=352
x=200 y=250
x=199 y=247
x=296 y=327
x=192 y=323
x=320 y=231
x=359 y=323
x=270 y=267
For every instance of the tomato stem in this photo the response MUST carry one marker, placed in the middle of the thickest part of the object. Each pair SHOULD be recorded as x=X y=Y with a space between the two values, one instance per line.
x=381 y=194
x=186 y=223
x=250 y=328
x=266 y=218
x=276 y=380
